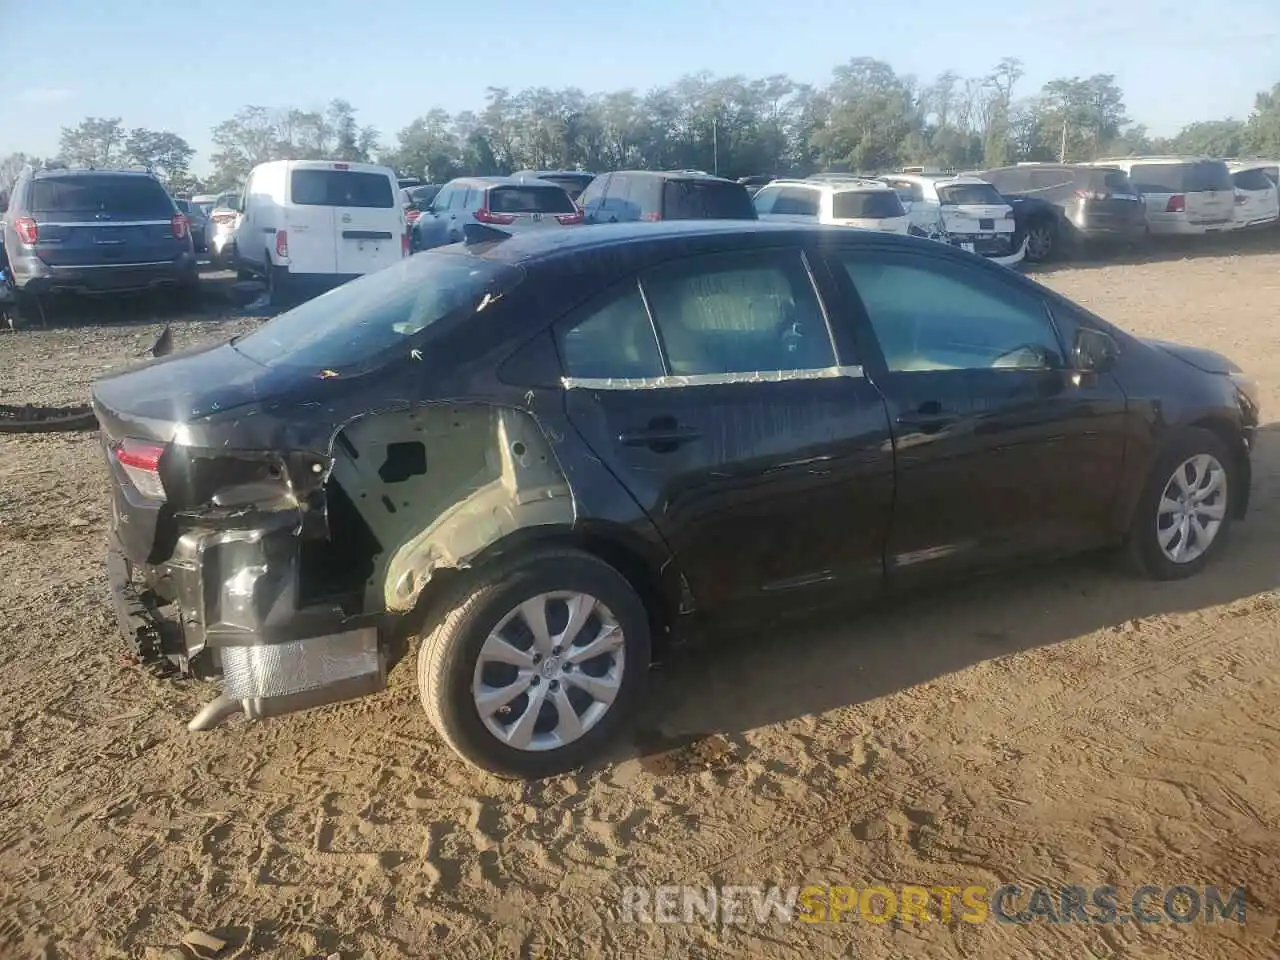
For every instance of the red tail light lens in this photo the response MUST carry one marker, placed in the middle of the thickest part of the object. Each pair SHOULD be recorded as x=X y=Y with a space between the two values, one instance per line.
x=652 y=217
x=501 y=219
x=282 y=243
x=411 y=216
x=27 y=230
x=141 y=462
x=180 y=226
x=569 y=219
x=1177 y=204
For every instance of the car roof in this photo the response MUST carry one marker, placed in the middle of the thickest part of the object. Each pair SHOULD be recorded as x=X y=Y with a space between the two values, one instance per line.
x=649 y=243
x=852 y=184
x=515 y=180
x=1240 y=166
x=553 y=173
x=676 y=175
x=90 y=172
x=1113 y=161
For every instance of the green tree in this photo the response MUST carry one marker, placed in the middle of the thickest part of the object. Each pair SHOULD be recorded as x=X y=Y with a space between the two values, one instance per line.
x=164 y=152
x=1262 y=132
x=95 y=141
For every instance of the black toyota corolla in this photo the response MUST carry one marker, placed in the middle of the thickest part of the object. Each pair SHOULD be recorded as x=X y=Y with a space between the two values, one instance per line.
x=552 y=453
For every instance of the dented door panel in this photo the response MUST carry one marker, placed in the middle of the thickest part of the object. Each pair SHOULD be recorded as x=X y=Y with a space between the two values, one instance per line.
x=778 y=490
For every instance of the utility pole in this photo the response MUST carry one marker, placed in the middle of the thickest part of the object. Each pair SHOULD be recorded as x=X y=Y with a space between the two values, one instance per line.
x=1062 y=154
x=715 y=146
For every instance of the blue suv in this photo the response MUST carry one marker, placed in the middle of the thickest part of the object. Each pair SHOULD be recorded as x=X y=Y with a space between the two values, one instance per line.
x=96 y=231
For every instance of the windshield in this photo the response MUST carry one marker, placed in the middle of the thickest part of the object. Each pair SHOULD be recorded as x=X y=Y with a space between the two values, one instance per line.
x=377 y=315
x=965 y=193
x=867 y=204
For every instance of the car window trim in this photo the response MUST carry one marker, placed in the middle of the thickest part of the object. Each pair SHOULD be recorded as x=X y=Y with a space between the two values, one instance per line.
x=670 y=381
x=103 y=223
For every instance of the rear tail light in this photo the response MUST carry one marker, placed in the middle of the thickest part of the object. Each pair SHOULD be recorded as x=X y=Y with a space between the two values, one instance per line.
x=1177 y=204
x=1093 y=195
x=502 y=219
x=411 y=216
x=180 y=226
x=569 y=219
x=282 y=243
x=28 y=232
x=224 y=218
x=652 y=217
x=1008 y=215
x=141 y=462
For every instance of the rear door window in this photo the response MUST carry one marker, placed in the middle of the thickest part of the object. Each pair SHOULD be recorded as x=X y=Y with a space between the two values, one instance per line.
x=341 y=188
x=86 y=196
x=795 y=202
x=965 y=193
x=529 y=200
x=1118 y=182
x=867 y=205
x=1252 y=180
x=1209 y=175
x=706 y=200
x=1159 y=177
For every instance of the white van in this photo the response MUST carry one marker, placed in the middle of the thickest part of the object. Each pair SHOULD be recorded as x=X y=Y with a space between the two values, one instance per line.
x=1184 y=195
x=311 y=225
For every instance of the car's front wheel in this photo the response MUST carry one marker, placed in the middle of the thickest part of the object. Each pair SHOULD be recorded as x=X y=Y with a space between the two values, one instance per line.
x=1184 y=514
x=537 y=665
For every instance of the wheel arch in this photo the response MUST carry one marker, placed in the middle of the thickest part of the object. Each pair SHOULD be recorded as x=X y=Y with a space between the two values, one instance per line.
x=649 y=569
x=1229 y=432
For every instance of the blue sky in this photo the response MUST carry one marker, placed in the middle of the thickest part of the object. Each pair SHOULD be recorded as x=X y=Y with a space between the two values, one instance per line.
x=183 y=65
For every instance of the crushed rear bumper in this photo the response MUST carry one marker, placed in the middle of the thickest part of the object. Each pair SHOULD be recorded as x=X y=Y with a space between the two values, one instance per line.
x=225 y=606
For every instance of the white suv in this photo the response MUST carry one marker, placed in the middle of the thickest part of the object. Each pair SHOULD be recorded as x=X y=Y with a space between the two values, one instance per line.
x=513 y=204
x=855 y=202
x=963 y=211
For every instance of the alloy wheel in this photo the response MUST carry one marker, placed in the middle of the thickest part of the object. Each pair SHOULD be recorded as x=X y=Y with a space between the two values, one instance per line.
x=549 y=671
x=1039 y=243
x=1192 y=508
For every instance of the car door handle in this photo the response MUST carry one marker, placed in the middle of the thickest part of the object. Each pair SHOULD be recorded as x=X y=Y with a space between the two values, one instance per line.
x=927 y=421
x=671 y=436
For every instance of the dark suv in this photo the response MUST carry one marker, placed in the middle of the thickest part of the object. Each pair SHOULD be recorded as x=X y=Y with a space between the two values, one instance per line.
x=96 y=231
x=629 y=195
x=1094 y=204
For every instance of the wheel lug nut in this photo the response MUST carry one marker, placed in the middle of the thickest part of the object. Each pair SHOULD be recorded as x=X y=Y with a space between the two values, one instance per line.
x=554 y=685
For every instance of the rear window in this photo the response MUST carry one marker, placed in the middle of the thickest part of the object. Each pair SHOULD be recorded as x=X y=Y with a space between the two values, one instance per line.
x=137 y=198
x=381 y=315
x=706 y=200
x=1181 y=177
x=962 y=193
x=529 y=200
x=867 y=204
x=572 y=185
x=341 y=188
x=1252 y=180
x=1117 y=181
x=422 y=196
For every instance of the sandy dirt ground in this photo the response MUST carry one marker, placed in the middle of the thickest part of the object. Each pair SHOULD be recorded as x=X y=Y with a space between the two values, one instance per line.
x=1068 y=725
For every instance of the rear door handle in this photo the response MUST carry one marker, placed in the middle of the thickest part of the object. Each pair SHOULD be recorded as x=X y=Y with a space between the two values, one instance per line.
x=663 y=436
x=927 y=422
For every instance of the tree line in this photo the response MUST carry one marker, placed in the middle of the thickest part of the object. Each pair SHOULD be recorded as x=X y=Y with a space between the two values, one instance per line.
x=869 y=118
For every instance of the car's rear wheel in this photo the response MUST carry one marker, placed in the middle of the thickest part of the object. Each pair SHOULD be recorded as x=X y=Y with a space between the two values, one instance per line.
x=1042 y=241
x=537 y=665
x=1184 y=515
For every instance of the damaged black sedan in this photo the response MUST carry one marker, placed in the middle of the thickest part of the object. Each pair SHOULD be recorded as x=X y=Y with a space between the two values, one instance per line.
x=550 y=454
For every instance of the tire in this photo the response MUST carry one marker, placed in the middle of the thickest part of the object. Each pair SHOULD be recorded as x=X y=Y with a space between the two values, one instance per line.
x=450 y=651
x=1042 y=241
x=1146 y=554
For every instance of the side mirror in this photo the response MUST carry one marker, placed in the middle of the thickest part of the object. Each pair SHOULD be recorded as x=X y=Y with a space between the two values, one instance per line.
x=1093 y=351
